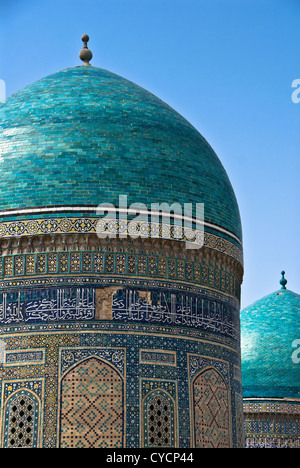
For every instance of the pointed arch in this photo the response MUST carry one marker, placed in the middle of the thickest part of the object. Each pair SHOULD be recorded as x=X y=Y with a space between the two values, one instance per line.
x=92 y=406
x=211 y=410
x=159 y=420
x=22 y=420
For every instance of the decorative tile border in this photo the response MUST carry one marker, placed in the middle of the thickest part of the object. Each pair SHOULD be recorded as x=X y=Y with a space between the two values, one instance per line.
x=160 y=357
x=272 y=424
x=116 y=263
x=199 y=363
x=105 y=228
x=71 y=356
x=239 y=416
x=128 y=305
x=273 y=407
x=274 y=442
x=24 y=358
x=114 y=327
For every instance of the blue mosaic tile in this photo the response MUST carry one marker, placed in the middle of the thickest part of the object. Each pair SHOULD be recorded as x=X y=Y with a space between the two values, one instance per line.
x=99 y=136
x=269 y=328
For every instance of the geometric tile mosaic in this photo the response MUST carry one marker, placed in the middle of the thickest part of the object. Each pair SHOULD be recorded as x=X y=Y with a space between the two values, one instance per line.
x=92 y=400
x=211 y=410
x=118 y=346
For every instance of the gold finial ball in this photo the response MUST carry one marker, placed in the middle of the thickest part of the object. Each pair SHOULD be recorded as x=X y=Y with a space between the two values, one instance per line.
x=85 y=54
x=85 y=38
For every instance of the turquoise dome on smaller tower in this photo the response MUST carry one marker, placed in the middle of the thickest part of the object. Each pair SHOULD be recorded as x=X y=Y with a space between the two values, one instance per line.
x=270 y=334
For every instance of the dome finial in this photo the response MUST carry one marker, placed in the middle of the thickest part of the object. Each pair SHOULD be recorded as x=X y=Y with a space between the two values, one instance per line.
x=85 y=54
x=283 y=281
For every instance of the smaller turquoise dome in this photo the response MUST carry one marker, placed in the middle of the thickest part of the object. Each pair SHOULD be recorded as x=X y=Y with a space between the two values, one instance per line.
x=270 y=334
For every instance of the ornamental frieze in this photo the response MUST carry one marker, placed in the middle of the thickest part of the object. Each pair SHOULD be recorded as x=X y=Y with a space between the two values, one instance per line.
x=50 y=226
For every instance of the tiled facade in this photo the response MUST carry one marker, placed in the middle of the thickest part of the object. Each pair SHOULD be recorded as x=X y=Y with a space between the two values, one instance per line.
x=160 y=336
x=118 y=345
x=109 y=341
x=155 y=329
x=272 y=424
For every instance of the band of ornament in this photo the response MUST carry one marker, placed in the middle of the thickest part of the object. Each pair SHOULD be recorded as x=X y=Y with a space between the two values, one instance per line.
x=120 y=264
x=272 y=407
x=109 y=228
x=122 y=305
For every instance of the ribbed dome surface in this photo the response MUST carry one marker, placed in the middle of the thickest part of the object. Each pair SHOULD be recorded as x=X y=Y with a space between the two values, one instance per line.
x=85 y=136
x=270 y=330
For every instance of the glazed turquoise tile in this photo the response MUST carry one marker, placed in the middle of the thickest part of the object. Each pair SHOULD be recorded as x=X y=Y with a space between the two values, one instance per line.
x=85 y=135
x=270 y=331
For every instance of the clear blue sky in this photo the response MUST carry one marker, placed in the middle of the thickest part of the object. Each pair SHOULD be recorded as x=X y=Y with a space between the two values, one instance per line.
x=225 y=65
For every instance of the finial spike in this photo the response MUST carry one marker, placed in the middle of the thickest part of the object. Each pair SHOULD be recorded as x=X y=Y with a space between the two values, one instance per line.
x=85 y=54
x=283 y=281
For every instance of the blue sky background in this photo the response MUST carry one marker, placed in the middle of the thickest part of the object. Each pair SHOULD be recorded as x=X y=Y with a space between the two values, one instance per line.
x=225 y=65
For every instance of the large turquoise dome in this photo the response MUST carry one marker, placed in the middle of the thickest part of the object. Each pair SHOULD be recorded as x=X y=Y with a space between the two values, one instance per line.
x=270 y=331
x=101 y=321
x=83 y=136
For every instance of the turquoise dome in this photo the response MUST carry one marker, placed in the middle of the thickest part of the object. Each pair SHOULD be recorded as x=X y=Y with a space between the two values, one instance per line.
x=270 y=334
x=84 y=135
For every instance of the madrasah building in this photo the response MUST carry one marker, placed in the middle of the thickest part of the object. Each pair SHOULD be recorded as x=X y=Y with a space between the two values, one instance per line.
x=271 y=369
x=120 y=329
